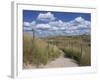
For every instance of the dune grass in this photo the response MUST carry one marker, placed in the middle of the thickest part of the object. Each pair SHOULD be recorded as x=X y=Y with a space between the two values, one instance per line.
x=37 y=51
x=86 y=56
x=72 y=53
x=83 y=57
x=75 y=47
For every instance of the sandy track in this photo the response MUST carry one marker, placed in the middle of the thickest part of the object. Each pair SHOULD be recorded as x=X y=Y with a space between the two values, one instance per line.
x=61 y=62
x=57 y=63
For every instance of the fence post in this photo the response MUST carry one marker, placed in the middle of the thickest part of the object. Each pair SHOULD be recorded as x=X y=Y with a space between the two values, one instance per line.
x=48 y=49
x=81 y=51
x=31 y=50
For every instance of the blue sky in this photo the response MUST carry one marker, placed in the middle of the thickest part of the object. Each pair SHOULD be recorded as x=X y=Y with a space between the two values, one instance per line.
x=30 y=15
x=47 y=23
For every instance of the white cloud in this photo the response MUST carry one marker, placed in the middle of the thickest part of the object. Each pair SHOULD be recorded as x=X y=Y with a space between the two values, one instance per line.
x=54 y=28
x=79 y=19
x=46 y=17
x=58 y=23
x=33 y=23
x=29 y=24
x=27 y=29
x=79 y=22
x=74 y=27
x=43 y=26
x=26 y=24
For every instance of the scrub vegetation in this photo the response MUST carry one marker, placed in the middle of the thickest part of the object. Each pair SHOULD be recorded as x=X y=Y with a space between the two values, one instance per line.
x=40 y=51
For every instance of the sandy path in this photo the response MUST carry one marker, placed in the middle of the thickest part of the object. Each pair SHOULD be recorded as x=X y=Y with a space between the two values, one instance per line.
x=57 y=63
x=61 y=62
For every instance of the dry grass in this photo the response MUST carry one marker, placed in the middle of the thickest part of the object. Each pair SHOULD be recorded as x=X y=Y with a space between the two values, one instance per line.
x=37 y=51
x=76 y=47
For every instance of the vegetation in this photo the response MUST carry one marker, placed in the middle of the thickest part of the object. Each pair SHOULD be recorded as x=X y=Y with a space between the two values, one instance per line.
x=75 y=47
x=38 y=52
x=72 y=53
x=86 y=56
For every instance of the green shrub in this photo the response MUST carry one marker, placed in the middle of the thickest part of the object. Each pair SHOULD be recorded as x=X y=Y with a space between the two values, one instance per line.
x=54 y=52
x=71 y=53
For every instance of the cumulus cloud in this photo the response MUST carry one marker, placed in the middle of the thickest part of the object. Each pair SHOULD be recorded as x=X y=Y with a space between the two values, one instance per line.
x=46 y=17
x=27 y=29
x=43 y=26
x=33 y=23
x=58 y=23
x=79 y=22
x=54 y=28
x=29 y=24
x=26 y=24
x=79 y=19
x=77 y=26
